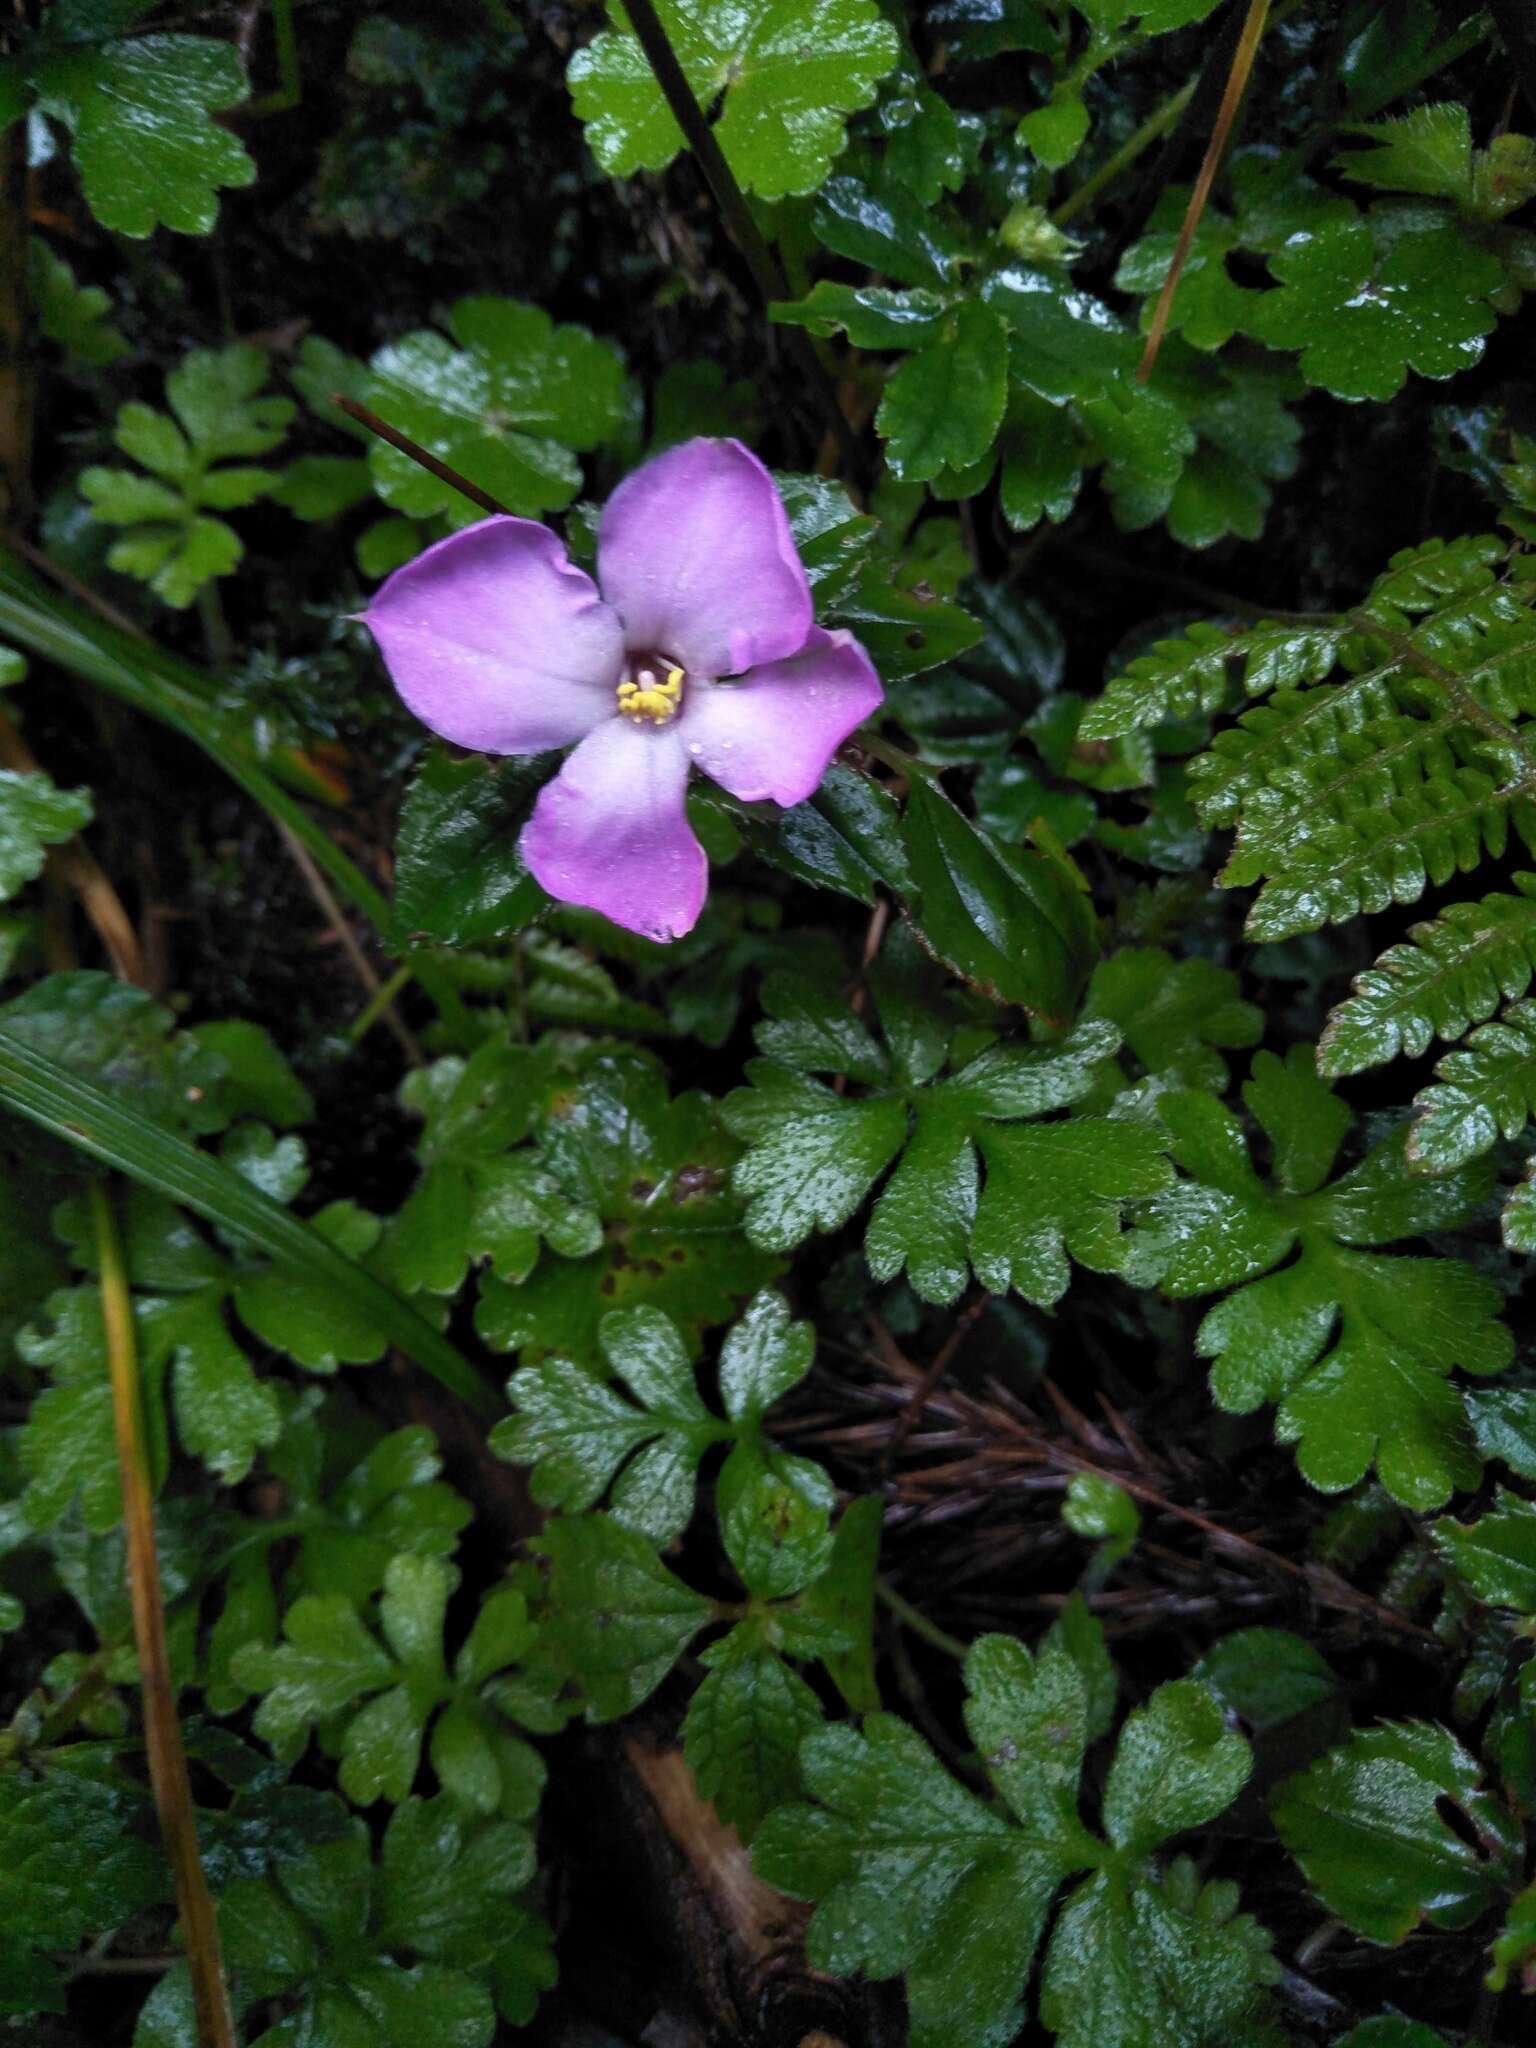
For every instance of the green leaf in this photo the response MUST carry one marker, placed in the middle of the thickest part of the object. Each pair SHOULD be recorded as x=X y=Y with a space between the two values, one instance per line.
x=459 y=877
x=1485 y=1091
x=655 y=1169
x=617 y=1616
x=1068 y=343
x=1096 y=1506
x=1177 y=1766
x=577 y=1433
x=744 y=1727
x=147 y=150
x=89 y=1118
x=70 y=313
x=1449 y=974
x=68 y=1449
x=1496 y=1554
x=775 y=1514
x=1059 y=1189
x=1170 y=1962
x=813 y=1155
x=1365 y=1824
x=376 y=1702
x=1015 y=928
x=943 y=407
x=1365 y=304
x=914 y=1873
x=1056 y=131
x=1427 y=150
x=76 y=1859
x=904 y=631
x=879 y=223
x=1356 y=1347
x=1175 y=1016
x=171 y=543
x=1267 y=1676
x=789 y=71
x=509 y=408
x=34 y=815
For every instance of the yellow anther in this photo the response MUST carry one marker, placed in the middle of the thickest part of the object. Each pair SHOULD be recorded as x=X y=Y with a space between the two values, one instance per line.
x=647 y=701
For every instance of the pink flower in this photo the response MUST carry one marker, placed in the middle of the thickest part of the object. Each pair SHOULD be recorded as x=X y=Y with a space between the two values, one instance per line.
x=699 y=652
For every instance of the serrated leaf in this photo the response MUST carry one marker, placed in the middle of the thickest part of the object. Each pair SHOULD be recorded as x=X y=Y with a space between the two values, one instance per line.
x=75 y=1860
x=943 y=407
x=1175 y=1016
x=1485 y=1090
x=617 y=1616
x=148 y=152
x=813 y=1155
x=509 y=408
x=1356 y=1347
x=1449 y=974
x=1365 y=1825
x=915 y=1874
x=459 y=877
x=70 y=313
x=789 y=71
x=744 y=1728
x=1427 y=150
x=34 y=815
x=1364 y=307
x=1496 y=1554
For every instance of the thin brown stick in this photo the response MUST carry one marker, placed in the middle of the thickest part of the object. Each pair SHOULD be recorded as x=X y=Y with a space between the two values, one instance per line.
x=418 y=454
x=332 y=912
x=168 y=1775
x=736 y=213
x=907 y=1420
x=17 y=356
x=1231 y=99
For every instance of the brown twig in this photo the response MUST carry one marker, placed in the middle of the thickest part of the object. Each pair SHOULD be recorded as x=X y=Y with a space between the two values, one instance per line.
x=1231 y=99
x=418 y=454
x=168 y=1775
x=923 y=1391
x=736 y=213
x=17 y=355
x=362 y=966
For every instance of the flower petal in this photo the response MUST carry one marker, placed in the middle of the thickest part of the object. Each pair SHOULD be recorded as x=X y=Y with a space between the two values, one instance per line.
x=773 y=733
x=695 y=554
x=611 y=831
x=497 y=641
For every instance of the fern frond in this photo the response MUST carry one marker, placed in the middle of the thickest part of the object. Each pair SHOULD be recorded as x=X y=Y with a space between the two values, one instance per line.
x=1197 y=672
x=1450 y=973
x=1419 y=579
x=1486 y=1090
x=1389 y=853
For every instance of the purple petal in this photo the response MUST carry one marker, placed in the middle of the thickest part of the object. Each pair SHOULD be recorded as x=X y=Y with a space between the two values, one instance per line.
x=695 y=554
x=773 y=733
x=497 y=641
x=611 y=831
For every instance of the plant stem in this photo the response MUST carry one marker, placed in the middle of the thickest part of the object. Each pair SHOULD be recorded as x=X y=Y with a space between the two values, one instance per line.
x=418 y=454
x=734 y=210
x=1156 y=125
x=1215 y=149
x=381 y=1003
x=17 y=356
x=914 y=1619
x=167 y=1759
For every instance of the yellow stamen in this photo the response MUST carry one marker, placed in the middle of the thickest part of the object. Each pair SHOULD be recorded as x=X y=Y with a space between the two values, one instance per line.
x=649 y=702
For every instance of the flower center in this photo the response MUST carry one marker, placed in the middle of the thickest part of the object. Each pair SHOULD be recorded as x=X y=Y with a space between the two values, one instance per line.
x=652 y=690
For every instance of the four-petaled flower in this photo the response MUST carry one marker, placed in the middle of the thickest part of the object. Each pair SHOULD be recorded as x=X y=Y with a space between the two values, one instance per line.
x=699 y=652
